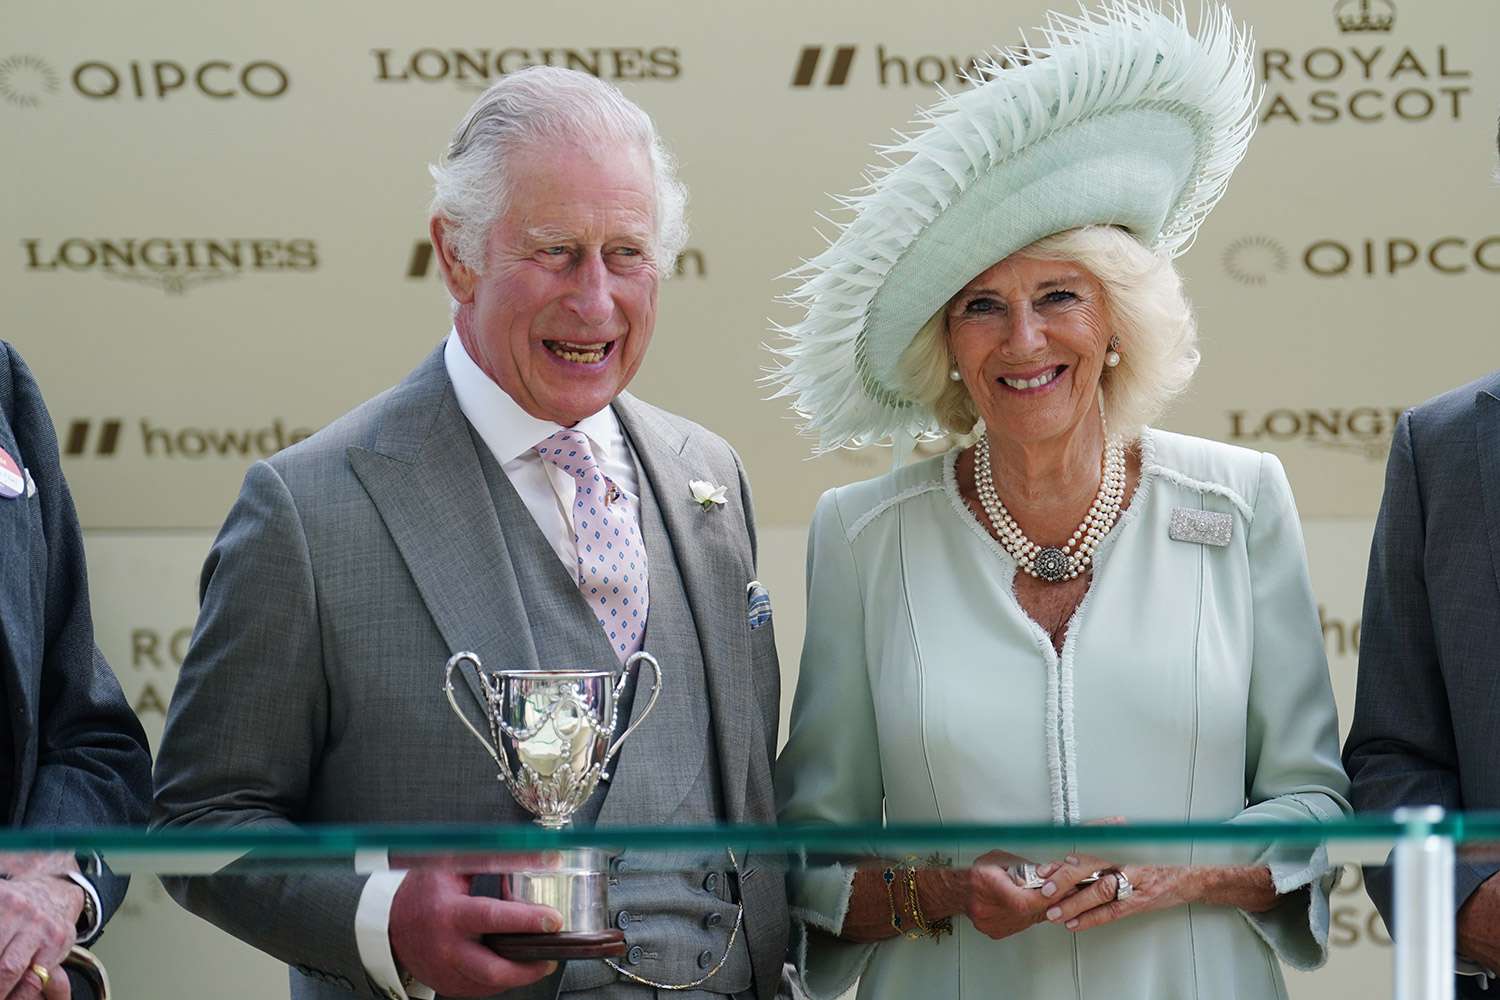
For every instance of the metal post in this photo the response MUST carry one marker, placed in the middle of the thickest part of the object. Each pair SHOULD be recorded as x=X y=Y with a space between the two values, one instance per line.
x=1424 y=907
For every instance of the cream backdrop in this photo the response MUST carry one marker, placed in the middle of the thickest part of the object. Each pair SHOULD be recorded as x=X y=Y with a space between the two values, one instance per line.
x=216 y=216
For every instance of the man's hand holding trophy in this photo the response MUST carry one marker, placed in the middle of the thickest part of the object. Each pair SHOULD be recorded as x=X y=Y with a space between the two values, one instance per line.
x=552 y=734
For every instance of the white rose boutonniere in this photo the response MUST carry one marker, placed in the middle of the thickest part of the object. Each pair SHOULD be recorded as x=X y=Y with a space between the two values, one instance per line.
x=707 y=495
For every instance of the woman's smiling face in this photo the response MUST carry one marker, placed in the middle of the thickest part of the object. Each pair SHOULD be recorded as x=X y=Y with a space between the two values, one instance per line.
x=1029 y=338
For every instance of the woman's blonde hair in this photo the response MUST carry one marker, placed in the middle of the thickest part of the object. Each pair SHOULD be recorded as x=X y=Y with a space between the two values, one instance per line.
x=1147 y=310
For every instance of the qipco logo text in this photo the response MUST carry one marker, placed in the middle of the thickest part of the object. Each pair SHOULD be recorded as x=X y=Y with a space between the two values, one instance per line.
x=165 y=79
x=1396 y=256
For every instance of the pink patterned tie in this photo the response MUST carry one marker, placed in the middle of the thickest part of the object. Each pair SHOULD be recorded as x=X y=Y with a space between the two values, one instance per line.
x=611 y=555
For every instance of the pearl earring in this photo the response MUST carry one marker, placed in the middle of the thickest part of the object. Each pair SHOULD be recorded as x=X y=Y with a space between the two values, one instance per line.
x=1112 y=358
x=954 y=375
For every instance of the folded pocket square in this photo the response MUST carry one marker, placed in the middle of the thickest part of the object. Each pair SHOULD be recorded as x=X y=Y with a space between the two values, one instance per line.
x=759 y=605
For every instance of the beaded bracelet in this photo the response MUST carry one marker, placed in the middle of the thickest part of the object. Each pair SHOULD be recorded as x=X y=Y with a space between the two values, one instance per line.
x=889 y=877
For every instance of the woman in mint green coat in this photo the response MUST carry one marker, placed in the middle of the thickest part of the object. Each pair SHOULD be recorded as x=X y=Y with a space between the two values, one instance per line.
x=1077 y=617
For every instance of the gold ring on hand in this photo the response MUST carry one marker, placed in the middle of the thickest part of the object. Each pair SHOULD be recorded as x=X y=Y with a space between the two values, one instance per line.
x=41 y=973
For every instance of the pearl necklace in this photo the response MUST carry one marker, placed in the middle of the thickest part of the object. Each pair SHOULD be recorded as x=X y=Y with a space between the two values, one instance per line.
x=1051 y=563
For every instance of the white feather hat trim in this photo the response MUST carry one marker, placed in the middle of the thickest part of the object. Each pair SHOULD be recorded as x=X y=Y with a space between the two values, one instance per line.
x=1121 y=116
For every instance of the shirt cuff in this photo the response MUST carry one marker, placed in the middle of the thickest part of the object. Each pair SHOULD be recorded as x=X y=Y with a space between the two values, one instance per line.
x=372 y=934
x=368 y=860
x=1464 y=967
x=87 y=932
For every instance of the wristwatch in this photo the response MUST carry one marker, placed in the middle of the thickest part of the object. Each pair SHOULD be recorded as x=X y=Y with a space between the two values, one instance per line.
x=88 y=919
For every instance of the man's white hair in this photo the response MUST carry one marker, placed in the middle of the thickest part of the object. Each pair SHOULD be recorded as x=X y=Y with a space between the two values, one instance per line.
x=1147 y=310
x=538 y=104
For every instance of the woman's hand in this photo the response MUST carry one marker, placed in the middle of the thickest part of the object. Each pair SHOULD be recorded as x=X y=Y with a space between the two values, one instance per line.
x=995 y=904
x=998 y=906
x=1155 y=887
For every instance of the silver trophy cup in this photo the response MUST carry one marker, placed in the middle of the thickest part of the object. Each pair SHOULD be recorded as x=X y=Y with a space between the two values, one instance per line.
x=552 y=733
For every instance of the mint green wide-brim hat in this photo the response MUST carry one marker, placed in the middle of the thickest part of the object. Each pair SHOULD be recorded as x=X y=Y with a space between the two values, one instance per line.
x=1121 y=116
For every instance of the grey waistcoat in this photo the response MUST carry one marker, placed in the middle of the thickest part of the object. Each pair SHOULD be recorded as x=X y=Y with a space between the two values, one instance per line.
x=676 y=911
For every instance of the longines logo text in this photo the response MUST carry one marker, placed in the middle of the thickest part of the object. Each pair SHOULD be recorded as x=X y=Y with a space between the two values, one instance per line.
x=28 y=80
x=1357 y=430
x=1366 y=83
x=689 y=264
x=822 y=66
x=88 y=437
x=173 y=264
x=1257 y=260
x=476 y=69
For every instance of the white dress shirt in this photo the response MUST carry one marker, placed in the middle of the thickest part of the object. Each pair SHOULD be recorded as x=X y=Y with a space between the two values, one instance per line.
x=511 y=434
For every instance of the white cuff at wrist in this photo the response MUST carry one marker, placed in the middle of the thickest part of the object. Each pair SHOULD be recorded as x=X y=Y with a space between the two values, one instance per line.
x=90 y=922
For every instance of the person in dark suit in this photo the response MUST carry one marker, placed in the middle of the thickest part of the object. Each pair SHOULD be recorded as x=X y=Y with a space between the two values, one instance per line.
x=75 y=755
x=1428 y=697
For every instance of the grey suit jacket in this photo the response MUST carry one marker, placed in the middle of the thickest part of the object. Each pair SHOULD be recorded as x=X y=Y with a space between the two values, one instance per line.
x=1427 y=706
x=77 y=752
x=350 y=568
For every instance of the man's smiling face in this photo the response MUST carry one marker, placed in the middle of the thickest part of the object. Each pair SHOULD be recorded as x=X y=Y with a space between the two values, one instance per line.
x=563 y=313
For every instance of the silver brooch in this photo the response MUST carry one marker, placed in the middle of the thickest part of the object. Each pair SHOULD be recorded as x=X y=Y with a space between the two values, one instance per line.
x=1205 y=527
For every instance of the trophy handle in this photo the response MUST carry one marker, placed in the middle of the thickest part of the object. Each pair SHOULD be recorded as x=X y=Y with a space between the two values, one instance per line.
x=614 y=747
x=454 y=661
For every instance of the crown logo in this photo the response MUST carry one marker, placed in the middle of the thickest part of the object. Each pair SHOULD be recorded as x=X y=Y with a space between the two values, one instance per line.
x=1364 y=15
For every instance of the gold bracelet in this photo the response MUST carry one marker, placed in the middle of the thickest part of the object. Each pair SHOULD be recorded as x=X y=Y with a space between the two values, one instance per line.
x=913 y=900
x=933 y=930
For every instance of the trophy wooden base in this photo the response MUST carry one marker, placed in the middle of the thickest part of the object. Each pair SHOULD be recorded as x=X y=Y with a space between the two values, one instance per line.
x=555 y=947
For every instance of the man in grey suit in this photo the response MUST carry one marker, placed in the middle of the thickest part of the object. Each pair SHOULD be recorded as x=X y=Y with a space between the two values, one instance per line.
x=1428 y=698
x=460 y=510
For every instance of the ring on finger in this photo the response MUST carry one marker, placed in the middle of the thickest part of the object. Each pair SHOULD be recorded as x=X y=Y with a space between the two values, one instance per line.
x=1123 y=888
x=41 y=973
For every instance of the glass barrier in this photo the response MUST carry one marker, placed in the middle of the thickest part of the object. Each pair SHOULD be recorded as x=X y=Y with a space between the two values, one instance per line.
x=594 y=878
x=1362 y=840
